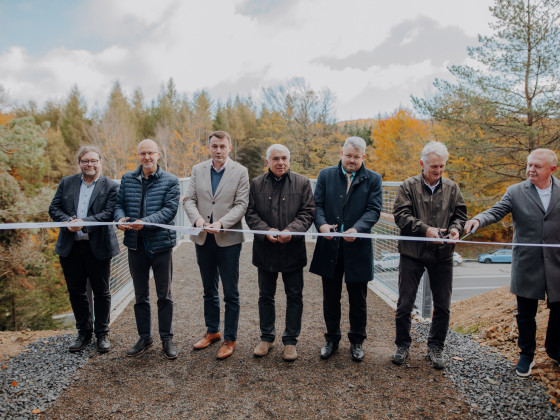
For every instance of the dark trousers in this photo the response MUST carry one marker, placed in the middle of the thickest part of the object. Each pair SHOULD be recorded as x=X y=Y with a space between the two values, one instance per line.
x=293 y=287
x=78 y=266
x=162 y=267
x=357 y=299
x=527 y=326
x=441 y=283
x=220 y=262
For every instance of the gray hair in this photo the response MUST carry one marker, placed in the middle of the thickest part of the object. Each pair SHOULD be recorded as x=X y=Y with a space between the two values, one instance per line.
x=279 y=147
x=86 y=149
x=436 y=148
x=552 y=158
x=356 y=142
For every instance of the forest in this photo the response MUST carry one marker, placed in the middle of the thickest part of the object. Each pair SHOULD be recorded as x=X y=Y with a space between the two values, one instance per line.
x=490 y=114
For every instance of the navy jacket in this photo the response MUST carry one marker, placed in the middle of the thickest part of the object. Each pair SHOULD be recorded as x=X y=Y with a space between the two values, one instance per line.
x=360 y=209
x=102 y=239
x=160 y=206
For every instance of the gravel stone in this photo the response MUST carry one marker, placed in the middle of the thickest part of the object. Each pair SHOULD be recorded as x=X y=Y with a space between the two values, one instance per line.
x=196 y=384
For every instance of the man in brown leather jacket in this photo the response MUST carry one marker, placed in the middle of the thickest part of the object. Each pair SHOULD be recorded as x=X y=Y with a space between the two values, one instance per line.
x=280 y=200
x=430 y=206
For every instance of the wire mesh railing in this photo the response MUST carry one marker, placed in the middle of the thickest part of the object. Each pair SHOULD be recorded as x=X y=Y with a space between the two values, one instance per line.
x=386 y=256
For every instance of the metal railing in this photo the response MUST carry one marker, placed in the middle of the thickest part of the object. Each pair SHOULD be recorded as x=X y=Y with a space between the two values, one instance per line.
x=385 y=279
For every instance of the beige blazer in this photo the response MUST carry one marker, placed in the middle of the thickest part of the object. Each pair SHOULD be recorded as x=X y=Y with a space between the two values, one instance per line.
x=228 y=205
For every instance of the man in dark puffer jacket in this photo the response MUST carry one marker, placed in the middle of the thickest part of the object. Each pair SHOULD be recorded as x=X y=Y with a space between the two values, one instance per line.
x=149 y=194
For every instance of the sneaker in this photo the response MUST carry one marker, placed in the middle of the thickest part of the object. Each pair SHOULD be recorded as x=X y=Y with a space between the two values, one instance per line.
x=400 y=355
x=524 y=365
x=436 y=358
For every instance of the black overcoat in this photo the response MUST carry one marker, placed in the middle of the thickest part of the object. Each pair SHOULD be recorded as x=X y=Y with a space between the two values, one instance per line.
x=359 y=209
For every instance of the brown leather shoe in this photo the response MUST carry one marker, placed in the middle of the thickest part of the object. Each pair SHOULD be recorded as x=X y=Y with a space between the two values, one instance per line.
x=226 y=350
x=207 y=340
x=263 y=348
x=290 y=353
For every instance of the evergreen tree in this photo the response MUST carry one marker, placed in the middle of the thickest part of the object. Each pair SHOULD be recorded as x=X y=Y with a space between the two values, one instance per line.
x=73 y=123
x=507 y=105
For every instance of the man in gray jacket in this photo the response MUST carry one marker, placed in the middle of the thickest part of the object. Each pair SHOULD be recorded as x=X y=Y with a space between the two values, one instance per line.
x=280 y=200
x=430 y=206
x=535 y=207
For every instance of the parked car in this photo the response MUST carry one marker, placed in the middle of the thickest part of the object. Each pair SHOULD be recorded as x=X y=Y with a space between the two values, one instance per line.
x=498 y=256
x=457 y=259
x=388 y=261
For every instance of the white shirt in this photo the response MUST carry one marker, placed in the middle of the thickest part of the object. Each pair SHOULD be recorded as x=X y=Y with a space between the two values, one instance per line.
x=545 y=195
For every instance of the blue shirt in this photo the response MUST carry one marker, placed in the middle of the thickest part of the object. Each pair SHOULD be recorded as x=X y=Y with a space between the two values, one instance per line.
x=83 y=205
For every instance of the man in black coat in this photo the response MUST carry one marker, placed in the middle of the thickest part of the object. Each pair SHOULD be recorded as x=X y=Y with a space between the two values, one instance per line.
x=86 y=252
x=280 y=200
x=349 y=200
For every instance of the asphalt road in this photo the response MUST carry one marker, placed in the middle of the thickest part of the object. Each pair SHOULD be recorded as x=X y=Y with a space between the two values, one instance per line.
x=473 y=278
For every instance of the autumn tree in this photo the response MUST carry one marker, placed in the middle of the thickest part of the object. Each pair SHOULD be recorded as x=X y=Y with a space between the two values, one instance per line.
x=115 y=134
x=310 y=126
x=495 y=112
x=397 y=141
x=30 y=286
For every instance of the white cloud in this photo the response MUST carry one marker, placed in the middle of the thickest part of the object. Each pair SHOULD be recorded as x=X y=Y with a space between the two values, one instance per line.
x=227 y=45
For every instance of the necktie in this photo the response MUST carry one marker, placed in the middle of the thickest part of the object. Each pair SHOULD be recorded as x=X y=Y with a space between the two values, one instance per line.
x=348 y=181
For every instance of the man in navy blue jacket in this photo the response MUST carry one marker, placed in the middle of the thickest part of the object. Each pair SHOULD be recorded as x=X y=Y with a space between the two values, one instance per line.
x=349 y=200
x=149 y=194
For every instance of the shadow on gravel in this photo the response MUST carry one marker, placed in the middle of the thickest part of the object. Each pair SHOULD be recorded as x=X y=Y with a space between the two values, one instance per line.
x=196 y=384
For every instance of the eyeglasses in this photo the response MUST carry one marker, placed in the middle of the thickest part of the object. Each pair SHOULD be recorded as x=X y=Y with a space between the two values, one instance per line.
x=88 y=162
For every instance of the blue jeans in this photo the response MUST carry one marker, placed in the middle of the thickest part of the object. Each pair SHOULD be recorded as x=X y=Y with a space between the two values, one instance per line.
x=162 y=266
x=217 y=262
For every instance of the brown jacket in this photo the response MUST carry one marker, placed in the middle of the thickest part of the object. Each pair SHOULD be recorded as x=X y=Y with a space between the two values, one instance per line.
x=281 y=204
x=416 y=209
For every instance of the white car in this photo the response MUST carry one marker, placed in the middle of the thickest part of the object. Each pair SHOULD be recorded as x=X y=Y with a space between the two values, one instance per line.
x=457 y=259
x=387 y=262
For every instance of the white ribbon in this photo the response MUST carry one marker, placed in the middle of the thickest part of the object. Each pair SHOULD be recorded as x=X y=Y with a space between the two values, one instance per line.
x=190 y=230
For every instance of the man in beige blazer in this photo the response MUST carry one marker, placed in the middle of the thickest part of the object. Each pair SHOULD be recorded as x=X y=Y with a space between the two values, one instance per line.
x=216 y=198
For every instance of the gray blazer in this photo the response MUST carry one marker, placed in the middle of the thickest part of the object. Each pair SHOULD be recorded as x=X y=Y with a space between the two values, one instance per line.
x=534 y=270
x=102 y=239
x=228 y=205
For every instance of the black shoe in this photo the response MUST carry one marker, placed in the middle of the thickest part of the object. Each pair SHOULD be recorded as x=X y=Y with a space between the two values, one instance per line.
x=400 y=355
x=328 y=349
x=79 y=343
x=102 y=345
x=169 y=349
x=555 y=356
x=357 y=352
x=436 y=358
x=524 y=366
x=139 y=347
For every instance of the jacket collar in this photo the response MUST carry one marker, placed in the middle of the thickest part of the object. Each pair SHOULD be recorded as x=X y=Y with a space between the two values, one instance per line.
x=138 y=172
x=359 y=174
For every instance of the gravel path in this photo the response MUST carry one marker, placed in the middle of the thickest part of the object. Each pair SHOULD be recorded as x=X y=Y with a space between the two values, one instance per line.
x=198 y=385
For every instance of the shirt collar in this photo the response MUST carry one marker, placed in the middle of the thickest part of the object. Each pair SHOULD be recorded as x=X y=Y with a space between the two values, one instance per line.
x=94 y=181
x=223 y=166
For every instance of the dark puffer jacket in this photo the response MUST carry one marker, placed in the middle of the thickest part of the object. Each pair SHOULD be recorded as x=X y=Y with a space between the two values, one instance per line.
x=284 y=204
x=160 y=206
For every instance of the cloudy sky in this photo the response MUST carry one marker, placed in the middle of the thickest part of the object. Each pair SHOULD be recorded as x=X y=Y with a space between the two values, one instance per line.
x=371 y=54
